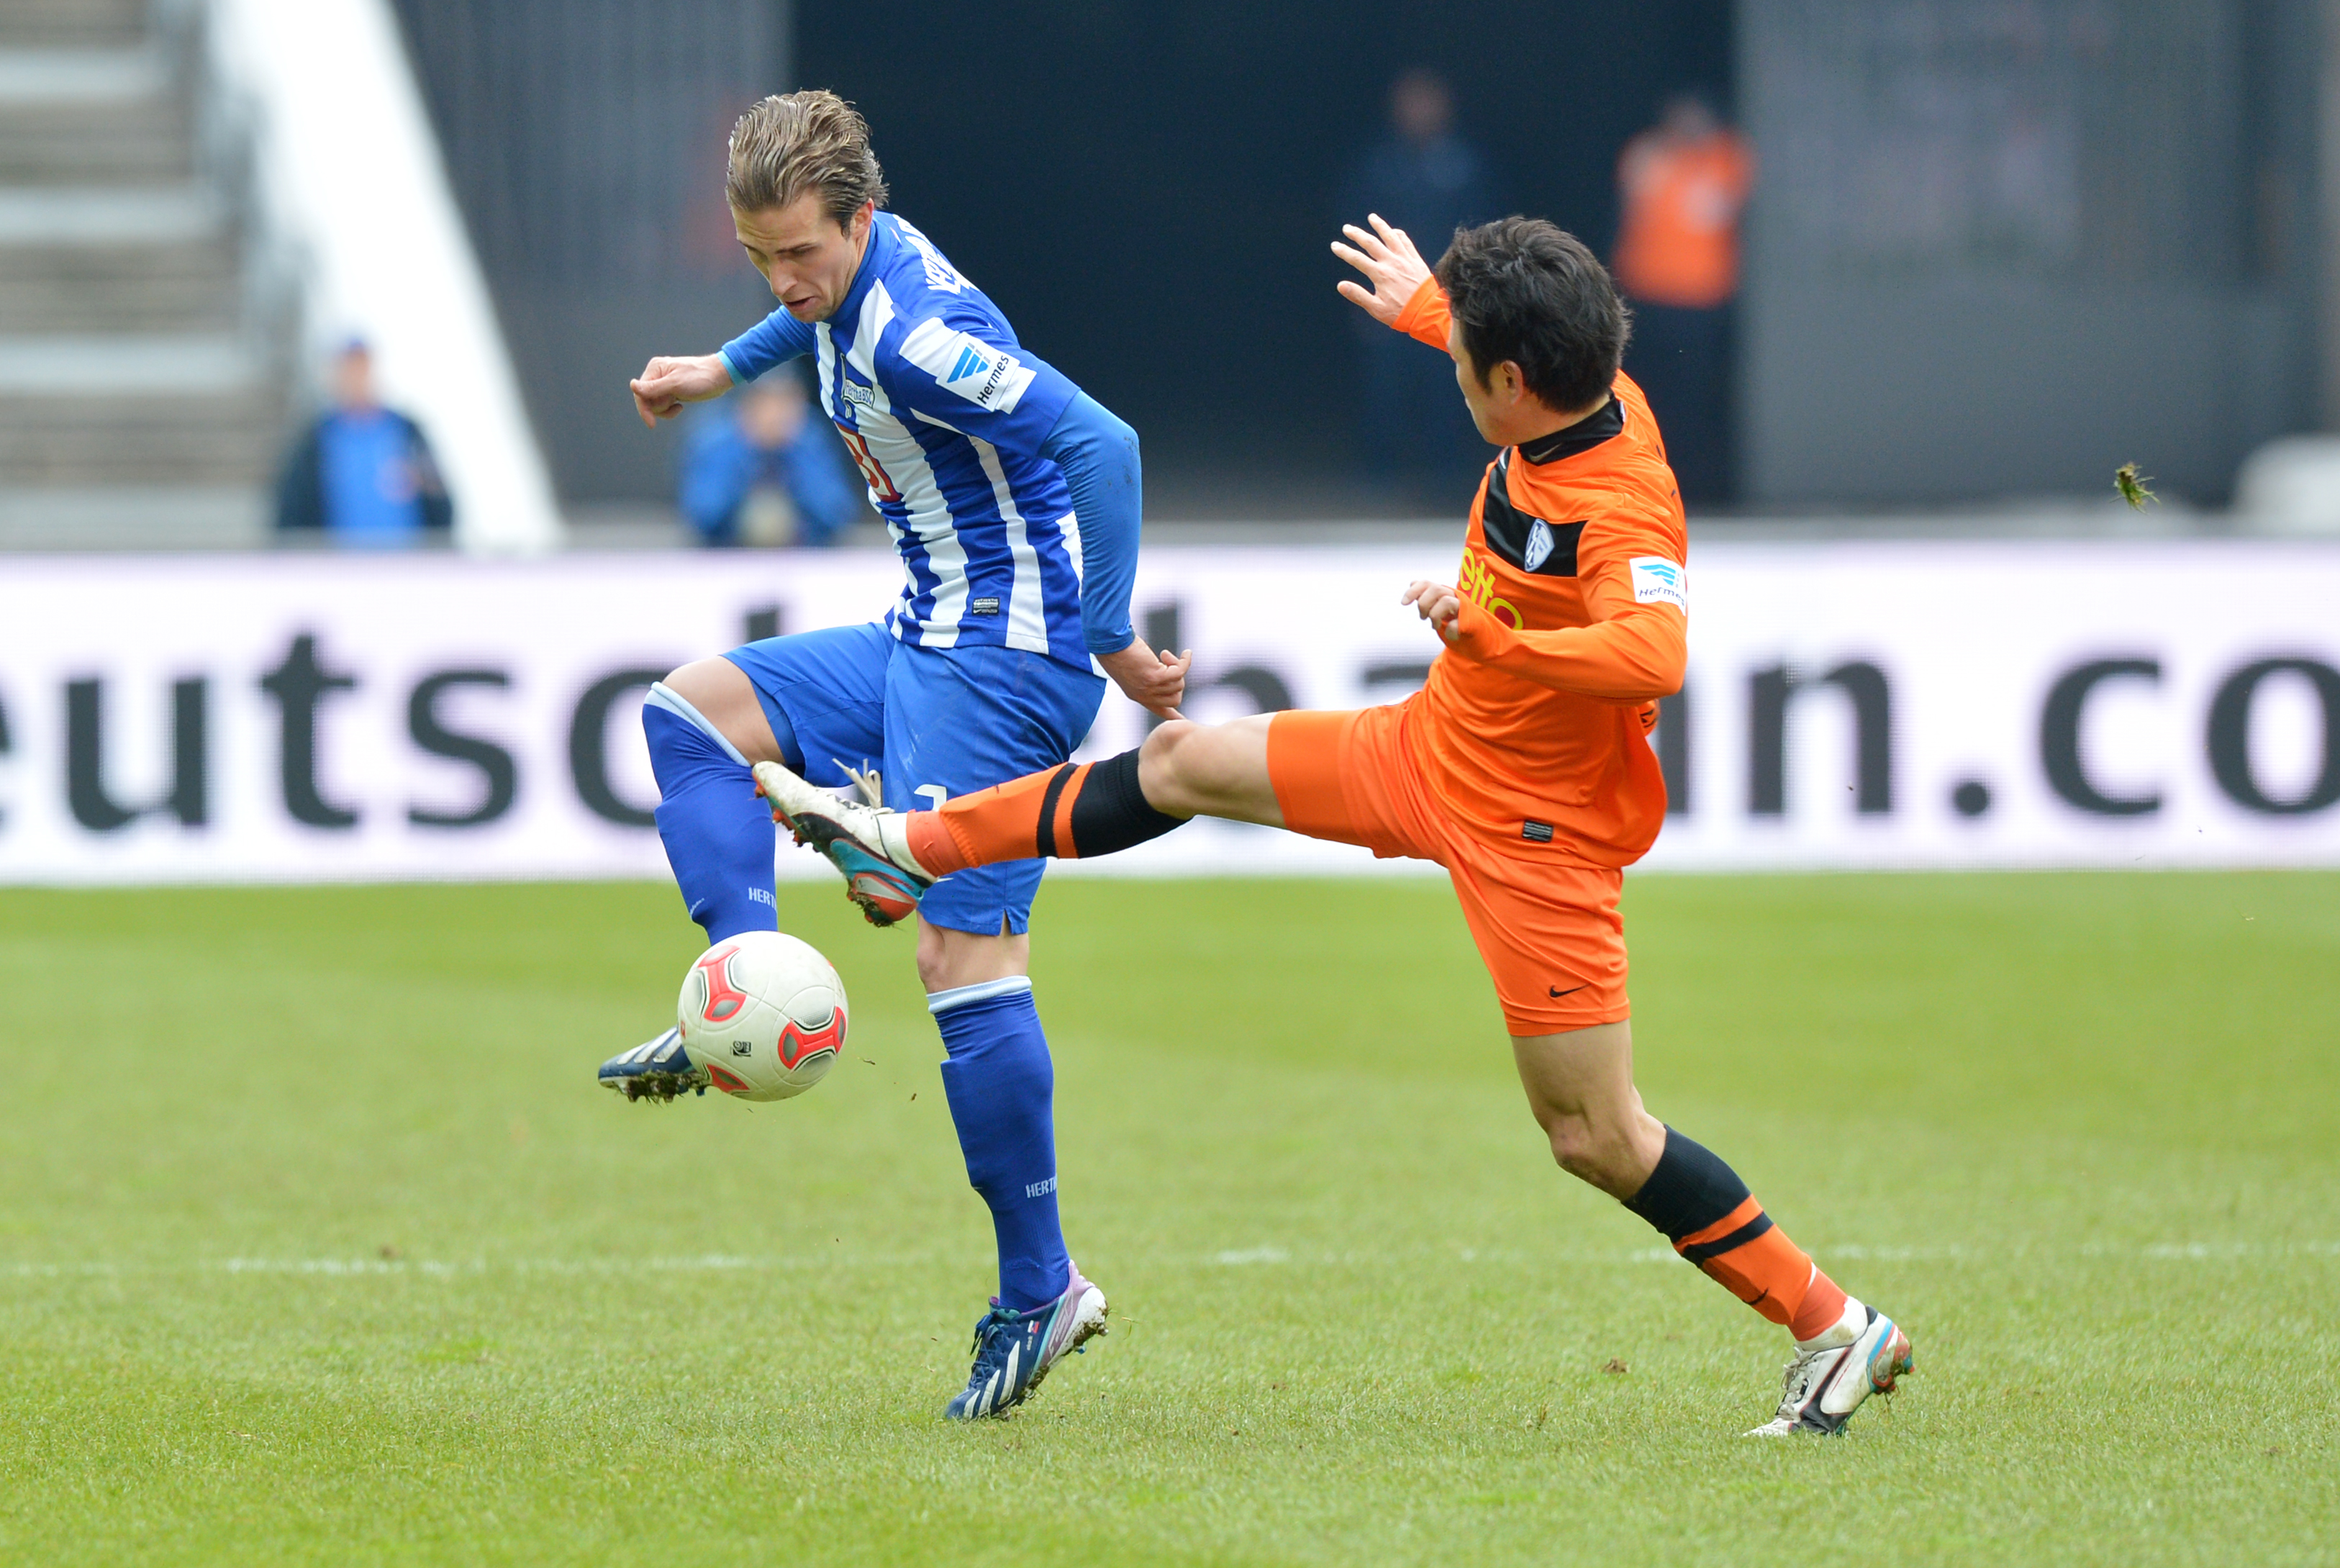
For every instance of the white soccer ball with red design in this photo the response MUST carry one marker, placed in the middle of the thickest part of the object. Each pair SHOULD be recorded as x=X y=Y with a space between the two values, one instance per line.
x=764 y=1014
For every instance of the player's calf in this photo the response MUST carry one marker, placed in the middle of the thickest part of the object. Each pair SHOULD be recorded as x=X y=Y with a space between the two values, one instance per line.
x=1188 y=769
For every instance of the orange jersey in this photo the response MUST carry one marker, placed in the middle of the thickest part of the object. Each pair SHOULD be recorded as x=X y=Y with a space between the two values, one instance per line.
x=1575 y=620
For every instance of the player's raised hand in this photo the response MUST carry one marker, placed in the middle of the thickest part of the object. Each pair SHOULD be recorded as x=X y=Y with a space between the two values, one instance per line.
x=1436 y=603
x=1155 y=682
x=668 y=383
x=1390 y=262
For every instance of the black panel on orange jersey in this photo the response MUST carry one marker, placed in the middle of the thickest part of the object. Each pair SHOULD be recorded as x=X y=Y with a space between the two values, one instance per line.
x=1531 y=543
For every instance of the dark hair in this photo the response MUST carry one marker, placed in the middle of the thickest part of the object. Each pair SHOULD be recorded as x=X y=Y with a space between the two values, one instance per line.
x=1526 y=290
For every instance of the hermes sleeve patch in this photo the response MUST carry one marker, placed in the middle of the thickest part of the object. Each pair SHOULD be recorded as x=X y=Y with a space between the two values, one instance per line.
x=1657 y=580
x=988 y=377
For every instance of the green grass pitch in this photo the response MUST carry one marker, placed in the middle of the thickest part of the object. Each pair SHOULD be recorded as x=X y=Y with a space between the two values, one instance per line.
x=318 y=1243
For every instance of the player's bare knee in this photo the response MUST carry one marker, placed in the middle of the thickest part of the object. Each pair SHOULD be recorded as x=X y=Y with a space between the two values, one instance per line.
x=935 y=958
x=1165 y=766
x=1597 y=1154
x=704 y=683
x=1574 y=1147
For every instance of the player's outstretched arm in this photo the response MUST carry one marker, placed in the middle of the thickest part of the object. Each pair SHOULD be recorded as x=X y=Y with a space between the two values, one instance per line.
x=668 y=382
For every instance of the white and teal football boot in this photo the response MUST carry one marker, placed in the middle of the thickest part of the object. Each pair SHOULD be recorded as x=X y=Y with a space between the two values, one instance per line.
x=1833 y=1374
x=868 y=845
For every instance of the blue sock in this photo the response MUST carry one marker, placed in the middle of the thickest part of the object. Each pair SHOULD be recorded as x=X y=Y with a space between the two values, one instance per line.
x=1001 y=1086
x=717 y=829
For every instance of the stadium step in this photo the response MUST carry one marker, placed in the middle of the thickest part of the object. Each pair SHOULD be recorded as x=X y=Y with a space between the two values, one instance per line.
x=73 y=23
x=83 y=116
x=120 y=364
x=177 y=516
x=129 y=216
x=75 y=286
x=141 y=395
x=141 y=440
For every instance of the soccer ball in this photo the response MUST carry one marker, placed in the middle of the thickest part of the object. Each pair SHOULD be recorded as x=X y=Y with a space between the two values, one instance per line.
x=764 y=1014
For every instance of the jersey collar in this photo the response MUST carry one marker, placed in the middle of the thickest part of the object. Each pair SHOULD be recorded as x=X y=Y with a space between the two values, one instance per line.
x=1580 y=437
x=874 y=257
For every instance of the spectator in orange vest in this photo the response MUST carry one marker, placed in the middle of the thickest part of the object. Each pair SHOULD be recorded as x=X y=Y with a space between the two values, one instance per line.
x=1683 y=185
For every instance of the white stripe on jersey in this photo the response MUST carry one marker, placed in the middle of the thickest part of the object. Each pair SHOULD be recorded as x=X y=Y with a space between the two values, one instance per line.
x=1068 y=528
x=825 y=357
x=896 y=450
x=1028 y=624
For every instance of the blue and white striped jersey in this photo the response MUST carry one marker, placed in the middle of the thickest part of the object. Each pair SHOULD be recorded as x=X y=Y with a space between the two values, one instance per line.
x=945 y=414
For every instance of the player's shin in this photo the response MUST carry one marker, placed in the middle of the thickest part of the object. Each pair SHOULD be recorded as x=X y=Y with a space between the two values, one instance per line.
x=718 y=834
x=1001 y=1086
x=1081 y=809
x=1706 y=1211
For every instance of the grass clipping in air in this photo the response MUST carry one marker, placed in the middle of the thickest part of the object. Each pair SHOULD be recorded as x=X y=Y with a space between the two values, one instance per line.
x=2131 y=485
x=321 y=1245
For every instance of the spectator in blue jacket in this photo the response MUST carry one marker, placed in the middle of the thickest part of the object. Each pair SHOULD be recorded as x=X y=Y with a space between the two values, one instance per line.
x=1425 y=178
x=362 y=474
x=759 y=470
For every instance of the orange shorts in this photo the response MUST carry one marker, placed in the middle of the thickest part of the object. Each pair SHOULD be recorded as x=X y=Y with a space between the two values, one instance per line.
x=1546 y=923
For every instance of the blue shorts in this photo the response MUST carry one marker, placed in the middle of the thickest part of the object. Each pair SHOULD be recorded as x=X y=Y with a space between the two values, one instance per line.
x=936 y=721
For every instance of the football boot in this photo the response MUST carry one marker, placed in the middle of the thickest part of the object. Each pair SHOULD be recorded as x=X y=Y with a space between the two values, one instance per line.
x=1013 y=1350
x=655 y=1069
x=1831 y=1375
x=868 y=845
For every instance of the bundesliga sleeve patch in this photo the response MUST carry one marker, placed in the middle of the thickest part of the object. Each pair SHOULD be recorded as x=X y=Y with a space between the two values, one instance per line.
x=990 y=378
x=1657 y=580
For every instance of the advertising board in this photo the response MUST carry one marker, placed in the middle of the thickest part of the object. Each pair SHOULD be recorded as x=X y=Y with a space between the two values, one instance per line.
x=310 y=717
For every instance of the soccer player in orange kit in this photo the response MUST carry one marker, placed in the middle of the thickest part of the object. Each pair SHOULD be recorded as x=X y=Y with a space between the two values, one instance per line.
x=1522 y=767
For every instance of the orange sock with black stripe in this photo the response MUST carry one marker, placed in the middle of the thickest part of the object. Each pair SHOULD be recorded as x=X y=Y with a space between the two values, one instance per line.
x=1077 y=811
x=1713 y=1221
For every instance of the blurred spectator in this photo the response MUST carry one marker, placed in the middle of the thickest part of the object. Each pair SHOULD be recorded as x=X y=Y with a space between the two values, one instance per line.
x=362 y=473
x=1683 y=185
x=1425 y=179
x=759 y=470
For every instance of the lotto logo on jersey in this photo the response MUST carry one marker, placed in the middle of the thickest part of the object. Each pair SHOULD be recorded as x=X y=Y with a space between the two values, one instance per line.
x=1476 y=582
x=988 y=377
x=1657 y=580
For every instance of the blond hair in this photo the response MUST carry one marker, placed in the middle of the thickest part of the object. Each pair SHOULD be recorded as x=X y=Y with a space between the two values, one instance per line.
x=798 y=142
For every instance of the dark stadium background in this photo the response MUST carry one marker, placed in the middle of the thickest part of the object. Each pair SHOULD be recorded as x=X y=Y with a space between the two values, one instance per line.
x=1993 y=250
x=1148 y=190
x=1153 y=187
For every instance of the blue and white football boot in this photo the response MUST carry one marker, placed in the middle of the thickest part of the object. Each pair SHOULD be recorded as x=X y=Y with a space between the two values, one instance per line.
x=868 y=845
x=1013 y=1350
x=1833 y=1374
x=655 y=1069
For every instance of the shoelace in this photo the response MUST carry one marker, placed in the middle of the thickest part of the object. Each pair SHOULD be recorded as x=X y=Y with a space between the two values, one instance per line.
x=866 y=783
x=1800 y=1379
x=997 y=1317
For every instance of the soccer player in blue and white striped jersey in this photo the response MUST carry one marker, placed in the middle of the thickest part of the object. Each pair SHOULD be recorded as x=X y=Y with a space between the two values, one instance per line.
x=1014 y=499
